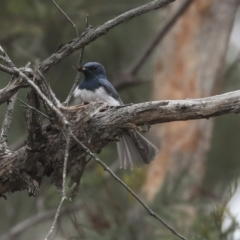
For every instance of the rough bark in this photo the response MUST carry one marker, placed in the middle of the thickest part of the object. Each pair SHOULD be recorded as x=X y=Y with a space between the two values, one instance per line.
x=95 y=124
x=189 y=65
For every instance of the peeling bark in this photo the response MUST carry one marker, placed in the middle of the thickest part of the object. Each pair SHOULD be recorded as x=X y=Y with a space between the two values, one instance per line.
x=95 y=124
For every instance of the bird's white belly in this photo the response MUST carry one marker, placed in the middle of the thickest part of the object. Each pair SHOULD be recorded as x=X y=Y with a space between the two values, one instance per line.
x=100 y=93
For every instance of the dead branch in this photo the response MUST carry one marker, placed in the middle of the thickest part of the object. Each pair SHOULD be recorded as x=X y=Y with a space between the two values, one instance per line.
x=6 y=124
x=66 y=16
x=94 y=33
x=85 y=38
x=99 y=129
x=63 y=188
x=78 y=76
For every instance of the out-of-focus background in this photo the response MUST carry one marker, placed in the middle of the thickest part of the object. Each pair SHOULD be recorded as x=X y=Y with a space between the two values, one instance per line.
x=193 y=183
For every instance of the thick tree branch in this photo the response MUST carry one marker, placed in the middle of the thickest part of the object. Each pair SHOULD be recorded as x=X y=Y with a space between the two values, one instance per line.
x=6 y=124
x=175 y=110
x=92 y=34
x=86 y=37
x=101 y=124
x=7 y=92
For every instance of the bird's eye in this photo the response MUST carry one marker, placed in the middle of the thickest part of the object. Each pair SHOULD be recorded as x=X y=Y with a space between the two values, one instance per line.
x=94 y=67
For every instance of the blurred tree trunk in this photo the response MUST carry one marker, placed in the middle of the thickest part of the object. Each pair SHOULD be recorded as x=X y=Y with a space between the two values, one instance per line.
x=189 y=65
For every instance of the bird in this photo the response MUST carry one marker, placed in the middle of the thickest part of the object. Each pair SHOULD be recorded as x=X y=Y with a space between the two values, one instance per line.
x=131 y=153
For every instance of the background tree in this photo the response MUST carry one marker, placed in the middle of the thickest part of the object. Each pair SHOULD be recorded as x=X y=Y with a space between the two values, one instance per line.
x=101 y=208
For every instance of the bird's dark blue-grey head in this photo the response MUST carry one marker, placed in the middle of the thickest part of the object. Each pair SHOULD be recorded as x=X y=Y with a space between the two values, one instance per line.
x=93 y=69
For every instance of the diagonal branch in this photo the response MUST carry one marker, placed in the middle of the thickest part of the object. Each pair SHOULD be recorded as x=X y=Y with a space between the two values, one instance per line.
x=99 y=129
x=106 y=168
x=94 y=33
x=93 y=129
x=41 y=217
x=86 y=37
x=64 y=198
x=34 y=109
x=78 y=76
x=66 y=16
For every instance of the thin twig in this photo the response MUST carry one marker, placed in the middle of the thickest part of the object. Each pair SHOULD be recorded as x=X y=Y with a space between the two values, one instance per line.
x=8 y=116
x=76 y=82
x=68 y=18
x=65 y=128
x=68 y=133
x=78 y=76
x=6 y=58
x=94 y=33
x=82 y=50
x=161 y=34
x=63 y=188
x=49 y=89
x=48 y=102
x=36 y=219
x=34 y=109
x=88 y=36
x=153 y=214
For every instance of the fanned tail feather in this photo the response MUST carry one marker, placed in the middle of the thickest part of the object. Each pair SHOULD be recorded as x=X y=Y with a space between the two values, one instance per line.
x=133 y=154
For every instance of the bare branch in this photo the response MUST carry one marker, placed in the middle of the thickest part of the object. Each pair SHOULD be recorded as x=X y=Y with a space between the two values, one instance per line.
x=82 y=50
x=110 y=118
x=46 y=100
x=88 y=36
x=68 y=133
x=48 y=89
x=68 y=18
x=6 y=69
x=42 y=217
x=94 y=33
x=63 y=188
x=78 y=76
x=34 y=109
x=106 y=168
x=7 y=92
x=6 y=58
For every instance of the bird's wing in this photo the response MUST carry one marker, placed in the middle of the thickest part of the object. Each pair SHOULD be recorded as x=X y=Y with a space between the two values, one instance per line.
x=110 y=89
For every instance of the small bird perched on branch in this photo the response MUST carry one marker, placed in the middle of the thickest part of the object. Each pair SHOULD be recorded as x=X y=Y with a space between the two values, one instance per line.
x=131 y=152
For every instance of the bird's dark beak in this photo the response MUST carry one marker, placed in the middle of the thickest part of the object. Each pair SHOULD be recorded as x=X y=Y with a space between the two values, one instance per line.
x=80 y=69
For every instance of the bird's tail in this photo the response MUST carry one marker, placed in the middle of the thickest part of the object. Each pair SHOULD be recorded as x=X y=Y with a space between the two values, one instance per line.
x=135 y=153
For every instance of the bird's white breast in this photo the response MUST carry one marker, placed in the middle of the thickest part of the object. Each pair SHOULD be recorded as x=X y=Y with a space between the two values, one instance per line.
x=100 y=93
